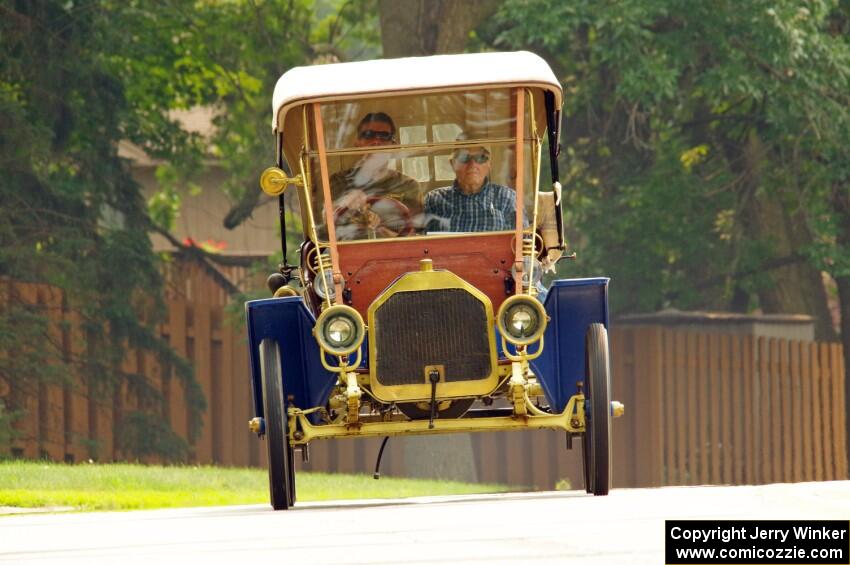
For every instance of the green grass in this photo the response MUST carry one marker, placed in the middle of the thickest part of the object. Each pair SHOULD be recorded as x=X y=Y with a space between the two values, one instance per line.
x=35 y=484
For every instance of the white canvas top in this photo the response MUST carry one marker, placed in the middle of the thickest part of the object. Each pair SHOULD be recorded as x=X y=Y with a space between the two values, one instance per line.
x=438 y=72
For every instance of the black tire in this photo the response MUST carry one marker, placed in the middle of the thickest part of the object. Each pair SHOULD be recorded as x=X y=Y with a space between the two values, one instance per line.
x=596 y=447
x=281 y=472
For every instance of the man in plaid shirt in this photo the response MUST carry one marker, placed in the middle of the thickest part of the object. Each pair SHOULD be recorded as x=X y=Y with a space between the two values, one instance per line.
x=472 y=203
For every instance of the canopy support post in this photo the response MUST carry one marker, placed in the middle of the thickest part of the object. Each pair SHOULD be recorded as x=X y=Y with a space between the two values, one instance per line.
x=285 y=268
x=326 y=191
x=553 y=119
x=520 y=180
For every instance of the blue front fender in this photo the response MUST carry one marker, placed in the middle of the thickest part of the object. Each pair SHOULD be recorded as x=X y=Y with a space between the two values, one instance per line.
x=287 y=321
x=572 y=305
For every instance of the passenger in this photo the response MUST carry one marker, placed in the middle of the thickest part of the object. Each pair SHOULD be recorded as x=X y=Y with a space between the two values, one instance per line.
x=472 y=203
x=372 y=178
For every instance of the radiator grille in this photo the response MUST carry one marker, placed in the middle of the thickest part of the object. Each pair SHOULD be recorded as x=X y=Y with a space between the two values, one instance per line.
x=431 y=327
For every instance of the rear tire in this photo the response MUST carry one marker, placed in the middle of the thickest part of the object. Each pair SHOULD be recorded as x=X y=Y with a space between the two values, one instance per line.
x=281 y=469
x=596 y=447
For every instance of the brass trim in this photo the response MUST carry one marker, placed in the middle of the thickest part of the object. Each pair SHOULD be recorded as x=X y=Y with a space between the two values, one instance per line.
x=426 y=373
x=414 y=146
x=329 y=214
x=307 y=203
x=255 y=425
x=308 y=225
x=519 y=151
x=333 y=311
x=536 y=146
x=571 y=420
x=431 y=280
x=523 y=355
x=420 y=237
x=284 y=291
x=617 y=409
x=343 y=365
x=273 y=181
x=541 y=313
x=304 y=193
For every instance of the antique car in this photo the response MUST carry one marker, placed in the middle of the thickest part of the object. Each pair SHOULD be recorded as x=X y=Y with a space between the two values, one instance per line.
x=417 y=306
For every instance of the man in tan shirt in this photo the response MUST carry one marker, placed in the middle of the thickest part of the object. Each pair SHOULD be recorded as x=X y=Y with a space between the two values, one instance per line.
x=370 y=199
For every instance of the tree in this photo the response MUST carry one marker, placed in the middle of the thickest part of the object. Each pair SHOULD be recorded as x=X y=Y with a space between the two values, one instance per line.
x=734 y=117
x=411 y=28
x=76 y=78
x=272 y=36
x=703 y=112
x=72 y=218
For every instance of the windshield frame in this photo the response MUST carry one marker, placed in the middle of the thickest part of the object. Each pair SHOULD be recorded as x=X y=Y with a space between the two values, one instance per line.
x=312 y=129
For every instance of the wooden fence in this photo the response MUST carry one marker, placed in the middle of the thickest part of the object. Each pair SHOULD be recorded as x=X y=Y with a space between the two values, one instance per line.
x=708 y=408
x=71 y=422
x=700 y=408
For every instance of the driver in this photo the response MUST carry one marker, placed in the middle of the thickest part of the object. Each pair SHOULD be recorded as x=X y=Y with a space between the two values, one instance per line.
x=371 y=199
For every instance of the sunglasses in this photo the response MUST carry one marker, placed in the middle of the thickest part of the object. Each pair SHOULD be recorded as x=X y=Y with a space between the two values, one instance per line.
x=480 y=158
x=375 y=134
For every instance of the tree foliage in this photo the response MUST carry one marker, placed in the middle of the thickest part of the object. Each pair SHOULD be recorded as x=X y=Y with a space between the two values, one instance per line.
x=705 y=149
x=76 y=79
x=72 y=217
x=230 y=56
x=702 y=139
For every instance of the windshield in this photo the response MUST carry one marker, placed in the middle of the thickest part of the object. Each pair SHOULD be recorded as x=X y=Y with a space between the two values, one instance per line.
x=421 y=165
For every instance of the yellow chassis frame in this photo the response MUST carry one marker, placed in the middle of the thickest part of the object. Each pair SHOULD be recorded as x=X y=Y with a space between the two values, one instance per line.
x=301 y=431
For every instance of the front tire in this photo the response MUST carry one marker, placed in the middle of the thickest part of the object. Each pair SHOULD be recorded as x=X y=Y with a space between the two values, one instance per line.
x=597 y=436
x=281 y=471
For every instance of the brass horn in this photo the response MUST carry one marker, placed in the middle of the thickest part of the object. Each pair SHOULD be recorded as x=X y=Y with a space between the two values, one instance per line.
x=274 y=181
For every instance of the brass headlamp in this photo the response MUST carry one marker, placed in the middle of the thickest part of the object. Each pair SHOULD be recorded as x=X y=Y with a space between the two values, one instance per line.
x=522 y=319
x=340 y=330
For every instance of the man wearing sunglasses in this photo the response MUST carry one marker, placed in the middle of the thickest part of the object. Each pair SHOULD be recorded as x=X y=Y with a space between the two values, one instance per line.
x=472 y=203
x=371 y=185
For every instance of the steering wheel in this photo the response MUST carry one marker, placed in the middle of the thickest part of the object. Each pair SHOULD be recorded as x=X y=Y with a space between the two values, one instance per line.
x=393 y=215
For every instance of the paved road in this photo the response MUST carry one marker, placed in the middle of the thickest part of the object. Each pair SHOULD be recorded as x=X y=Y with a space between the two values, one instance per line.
x=555 y=527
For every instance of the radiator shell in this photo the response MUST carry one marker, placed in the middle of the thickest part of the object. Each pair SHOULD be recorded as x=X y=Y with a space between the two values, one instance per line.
x=431 y=320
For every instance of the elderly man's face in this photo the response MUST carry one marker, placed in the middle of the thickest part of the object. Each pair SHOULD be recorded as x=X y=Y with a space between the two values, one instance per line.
x=471 y=167
x=373 y=134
